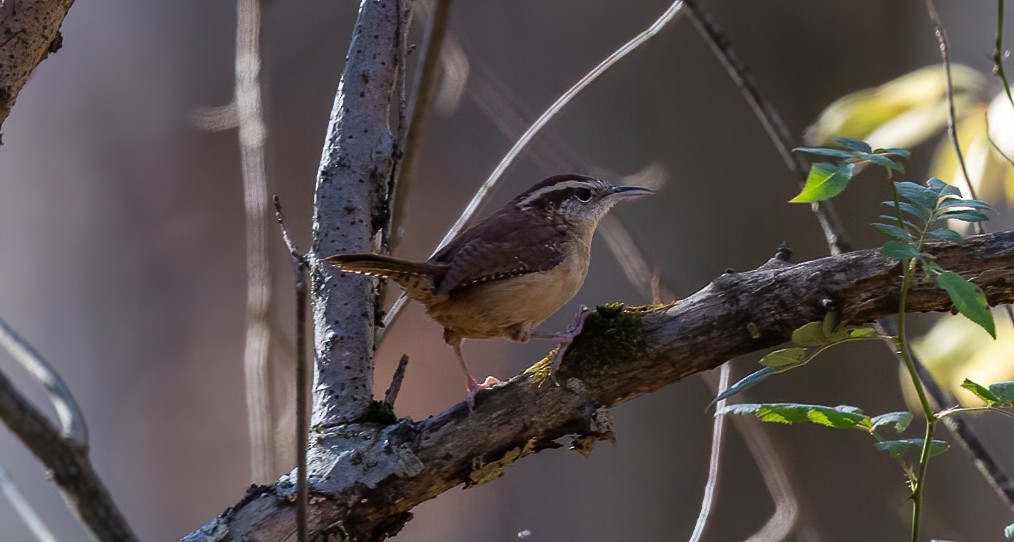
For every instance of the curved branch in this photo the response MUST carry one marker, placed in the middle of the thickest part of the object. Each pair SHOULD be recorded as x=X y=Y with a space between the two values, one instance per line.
x=29 y=32
x=622 y=354
x=69 y=464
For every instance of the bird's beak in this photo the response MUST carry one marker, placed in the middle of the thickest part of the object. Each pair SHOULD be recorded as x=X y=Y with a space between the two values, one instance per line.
x=630 y=191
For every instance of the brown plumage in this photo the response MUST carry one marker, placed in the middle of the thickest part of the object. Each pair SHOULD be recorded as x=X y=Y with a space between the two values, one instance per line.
x=509 y=272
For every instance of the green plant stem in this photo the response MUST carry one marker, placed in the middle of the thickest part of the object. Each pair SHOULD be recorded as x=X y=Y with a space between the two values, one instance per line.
x=909 y=265
x=931 y=418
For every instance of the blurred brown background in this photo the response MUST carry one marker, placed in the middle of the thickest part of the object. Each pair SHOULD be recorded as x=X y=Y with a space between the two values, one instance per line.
x=122 y=238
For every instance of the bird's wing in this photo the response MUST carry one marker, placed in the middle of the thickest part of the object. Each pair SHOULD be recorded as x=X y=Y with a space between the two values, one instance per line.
x=503 y=245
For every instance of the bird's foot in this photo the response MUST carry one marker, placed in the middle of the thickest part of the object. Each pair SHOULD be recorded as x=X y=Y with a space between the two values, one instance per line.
x=474 y=388
x=567 y=337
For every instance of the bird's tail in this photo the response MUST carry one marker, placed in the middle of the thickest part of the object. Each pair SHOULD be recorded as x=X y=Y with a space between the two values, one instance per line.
x=416 y=278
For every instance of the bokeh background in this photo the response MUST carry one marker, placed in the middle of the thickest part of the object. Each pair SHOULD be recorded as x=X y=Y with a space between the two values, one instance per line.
x=122 y=242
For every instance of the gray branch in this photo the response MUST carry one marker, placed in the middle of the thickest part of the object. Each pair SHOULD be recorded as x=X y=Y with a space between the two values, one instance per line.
x=29 y=32
x=621 y=355
x=350 y=208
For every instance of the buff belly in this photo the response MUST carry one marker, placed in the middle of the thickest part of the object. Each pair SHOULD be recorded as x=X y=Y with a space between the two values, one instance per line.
x=502 y=307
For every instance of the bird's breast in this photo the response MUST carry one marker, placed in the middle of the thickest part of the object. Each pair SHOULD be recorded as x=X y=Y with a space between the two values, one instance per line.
x=489 y=309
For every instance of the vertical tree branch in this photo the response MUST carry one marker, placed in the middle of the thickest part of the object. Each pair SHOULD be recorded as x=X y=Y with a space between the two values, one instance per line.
x=350 y=207
x=29 y=31
x=252 y=138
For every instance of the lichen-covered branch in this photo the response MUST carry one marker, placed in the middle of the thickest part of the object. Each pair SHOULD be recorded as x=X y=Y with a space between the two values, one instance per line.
x=29 y=31
x=622 y=353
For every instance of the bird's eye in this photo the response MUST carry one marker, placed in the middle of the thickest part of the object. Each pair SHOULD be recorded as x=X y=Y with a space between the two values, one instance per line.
x=583 y=194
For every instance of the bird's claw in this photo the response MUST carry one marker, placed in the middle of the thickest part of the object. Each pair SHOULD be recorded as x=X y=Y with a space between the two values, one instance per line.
x=567 y=337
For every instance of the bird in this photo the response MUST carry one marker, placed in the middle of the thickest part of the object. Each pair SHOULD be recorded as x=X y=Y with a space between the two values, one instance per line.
x=508 y=273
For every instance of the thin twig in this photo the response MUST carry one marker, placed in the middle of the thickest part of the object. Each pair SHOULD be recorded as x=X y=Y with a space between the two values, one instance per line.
x=952 y=130
x=72 y=420
x=484 y=189
x=837 y=238
x=399 y=375
x=71 y=470
x=24 y=509
x=420 y=101
x=992 y=143
x=252 y=139
x=715 y=459
x=299 y=268
x=999 y=53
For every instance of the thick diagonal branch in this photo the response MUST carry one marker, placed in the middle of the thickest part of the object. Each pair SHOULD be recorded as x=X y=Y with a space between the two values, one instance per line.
x=29 y=31
x=622 y=354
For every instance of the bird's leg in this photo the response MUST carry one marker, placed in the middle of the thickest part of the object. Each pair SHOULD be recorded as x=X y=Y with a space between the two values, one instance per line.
x=473 y=386
x=565 y=337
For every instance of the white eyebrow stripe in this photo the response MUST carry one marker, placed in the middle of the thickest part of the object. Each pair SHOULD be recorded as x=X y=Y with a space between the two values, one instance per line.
x=552 y=188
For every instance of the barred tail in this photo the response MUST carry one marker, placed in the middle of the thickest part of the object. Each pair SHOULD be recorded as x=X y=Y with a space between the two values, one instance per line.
x=416 y=278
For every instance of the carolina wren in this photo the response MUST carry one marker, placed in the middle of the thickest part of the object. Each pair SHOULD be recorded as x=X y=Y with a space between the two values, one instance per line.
x=509 y=272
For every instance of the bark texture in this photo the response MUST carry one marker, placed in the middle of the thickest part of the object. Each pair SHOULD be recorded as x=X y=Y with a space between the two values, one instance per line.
x=623 y=353
x=29 y=32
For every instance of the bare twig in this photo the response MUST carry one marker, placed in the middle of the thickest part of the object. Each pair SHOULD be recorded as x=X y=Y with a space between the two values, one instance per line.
x=31 y=31
x=72 y=421
x=300 y=266
x=420 y=100
x=399 y=374
x=834 y=232
x=952 y=123
x=24 y=509
x=999 y=53
x=68 y=463
x=252 y=140
x=715 y=457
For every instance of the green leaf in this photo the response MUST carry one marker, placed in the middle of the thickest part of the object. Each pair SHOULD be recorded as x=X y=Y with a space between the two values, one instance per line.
x=903 y=153
x=965 y=215
x=1009 y=532
x=890 y=219
x=898 y=420
x=1004 y=392
x=840 y=417
x=980 y=391
x=898 y=448
x=829 y=326
x=821 y=151
x=919 y=195
x=968 y=299
x=948 y=234
x=899 y=250
x=893 y=231
x=811 y=334
x=825 y=181
x=918 y=212
x=785 y=356
x=883 y=161
x=750 y=381
x=863 y=333
x=853 y=144
x=948 y=203
x=941 y=188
